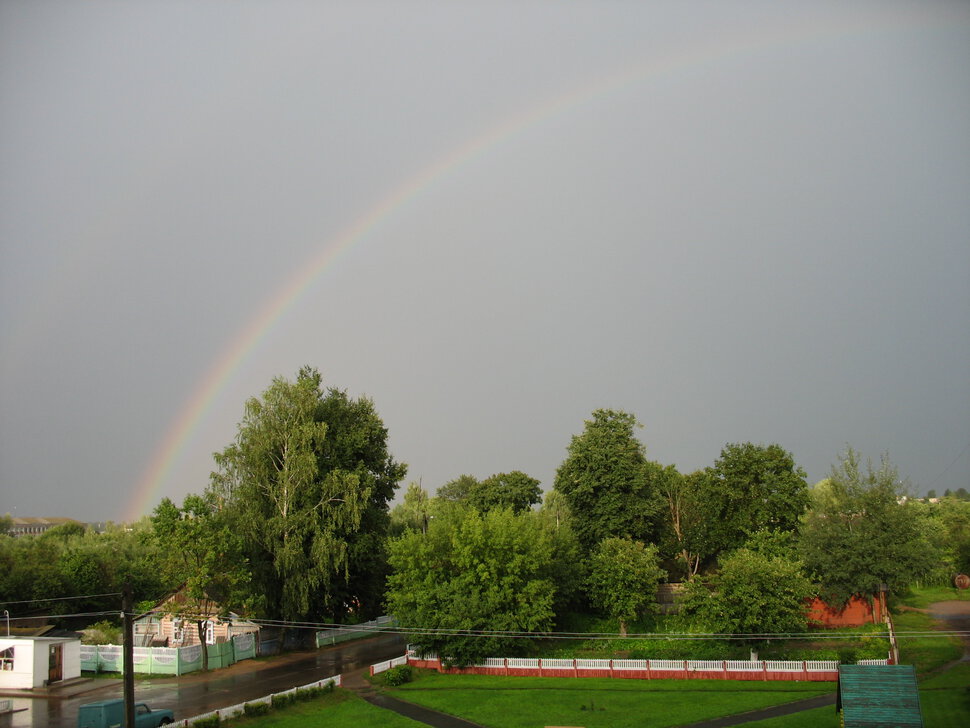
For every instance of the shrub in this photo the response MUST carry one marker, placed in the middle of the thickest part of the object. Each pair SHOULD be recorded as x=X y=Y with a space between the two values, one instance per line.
x=256 y=708
x=281 y=701
x=104 y=632
x=211 y=721
x=398 y=676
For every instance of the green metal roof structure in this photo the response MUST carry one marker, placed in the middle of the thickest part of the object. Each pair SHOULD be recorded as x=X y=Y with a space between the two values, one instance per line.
x=879 y=695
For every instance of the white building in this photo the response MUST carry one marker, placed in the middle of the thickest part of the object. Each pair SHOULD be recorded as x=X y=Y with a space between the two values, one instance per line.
x=33 y=662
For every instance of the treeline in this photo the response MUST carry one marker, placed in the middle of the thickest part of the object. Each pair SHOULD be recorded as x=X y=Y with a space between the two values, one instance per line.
x=296 y=525
x=747 y=533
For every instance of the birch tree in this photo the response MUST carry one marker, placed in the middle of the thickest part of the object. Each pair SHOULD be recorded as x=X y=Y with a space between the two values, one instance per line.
x=295 y=514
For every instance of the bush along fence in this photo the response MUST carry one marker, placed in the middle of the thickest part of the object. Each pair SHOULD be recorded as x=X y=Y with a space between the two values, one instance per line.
x=328 y=637
x=799 y=670
x=261 y=706
x=168 y=660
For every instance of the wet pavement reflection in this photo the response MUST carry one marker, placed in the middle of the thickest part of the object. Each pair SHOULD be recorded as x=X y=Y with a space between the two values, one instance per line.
x=196 y=693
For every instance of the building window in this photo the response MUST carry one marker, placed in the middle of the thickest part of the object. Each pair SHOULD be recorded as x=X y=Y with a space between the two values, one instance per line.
x=210 y=632
x=6 y=659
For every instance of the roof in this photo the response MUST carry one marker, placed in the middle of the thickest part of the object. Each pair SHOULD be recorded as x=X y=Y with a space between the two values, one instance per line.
x=879 y=695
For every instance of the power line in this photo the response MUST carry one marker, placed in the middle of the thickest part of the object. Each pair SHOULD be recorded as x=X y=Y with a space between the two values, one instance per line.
x=63 y=599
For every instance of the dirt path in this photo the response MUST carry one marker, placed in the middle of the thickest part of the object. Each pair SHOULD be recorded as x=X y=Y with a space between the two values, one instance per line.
x=954 y=615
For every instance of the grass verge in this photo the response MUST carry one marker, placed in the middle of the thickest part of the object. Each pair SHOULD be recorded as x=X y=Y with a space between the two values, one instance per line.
x=945 y=699
x=815 y=718
x=926 y=653
x=339 y=709
x=523 y=702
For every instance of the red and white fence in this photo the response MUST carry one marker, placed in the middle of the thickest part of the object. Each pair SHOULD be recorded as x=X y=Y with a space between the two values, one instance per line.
x=800 y=670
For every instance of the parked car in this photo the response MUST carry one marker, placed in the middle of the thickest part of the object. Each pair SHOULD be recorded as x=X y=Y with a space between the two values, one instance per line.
x=111 y=714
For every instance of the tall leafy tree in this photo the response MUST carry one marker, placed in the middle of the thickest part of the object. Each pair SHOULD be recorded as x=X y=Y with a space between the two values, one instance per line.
x=473 y=572
x=202 y=555
x=750 y=487
x=752 y=594
x=355 y=445
x=687 y=533
x=514 y=490
x=413 y=512
x=857 y=535
x=623 y=578
x=607 y=478
x=457 y=490
x=308 y=494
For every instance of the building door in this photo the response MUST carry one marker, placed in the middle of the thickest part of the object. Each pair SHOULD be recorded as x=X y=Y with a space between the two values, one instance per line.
x=55 y=672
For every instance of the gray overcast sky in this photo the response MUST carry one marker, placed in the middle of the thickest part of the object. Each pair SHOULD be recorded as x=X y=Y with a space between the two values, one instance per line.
x=737 y=220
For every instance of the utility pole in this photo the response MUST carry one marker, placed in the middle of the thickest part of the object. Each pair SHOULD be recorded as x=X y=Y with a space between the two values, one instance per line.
x=127 y=617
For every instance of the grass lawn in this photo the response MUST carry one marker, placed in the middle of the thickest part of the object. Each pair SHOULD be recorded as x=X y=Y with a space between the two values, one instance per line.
x=816 y=718
x=922 y=597
x=925 y=653
x=339 y=709
x=945 y=699
x=523 y=702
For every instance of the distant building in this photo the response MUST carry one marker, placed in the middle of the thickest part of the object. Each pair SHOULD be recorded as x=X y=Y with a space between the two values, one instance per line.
x=36 y=526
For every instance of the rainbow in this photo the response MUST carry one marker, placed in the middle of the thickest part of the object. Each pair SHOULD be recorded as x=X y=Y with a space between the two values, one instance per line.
x=169 y=451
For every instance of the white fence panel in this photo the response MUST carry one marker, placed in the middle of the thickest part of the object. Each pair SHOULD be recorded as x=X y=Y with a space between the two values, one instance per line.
x=744 y=666
x=706 y=665
x=388 y=664
x=784 y=665
x=822 y=665
x=524 y=663
x=557 y=664
x=883 y=661
x=493 y=662
x=591 y=664
x=666 y=664
x=631 y=664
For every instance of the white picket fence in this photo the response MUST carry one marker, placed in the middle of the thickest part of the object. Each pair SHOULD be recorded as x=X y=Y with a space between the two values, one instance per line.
x=388 y=664
x=646 y=668
x=235 y=710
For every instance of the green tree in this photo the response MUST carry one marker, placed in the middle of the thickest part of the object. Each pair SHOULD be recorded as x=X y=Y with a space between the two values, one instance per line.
x=858 y=535
x=607 y=478
x=457 y=490
x=476 y=572
x=751 y=595
x=302 y=490
x=686 y=521
x=203 y=555
x=514 y=490
x=355 y=445
x=750 y=487
x=623 y=578
x=413 y=512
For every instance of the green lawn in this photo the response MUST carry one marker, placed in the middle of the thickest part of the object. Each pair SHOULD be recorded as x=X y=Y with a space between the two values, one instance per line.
x=923 y=597
x=945 y=699
x=925 y=653
x=340 y=709
x=523 y=702
x=816 y=718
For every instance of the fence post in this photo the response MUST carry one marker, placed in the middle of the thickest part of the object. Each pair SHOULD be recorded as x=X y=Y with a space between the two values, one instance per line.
x=575 y=668
x=540 y=667
x=648 y=671
x=506 y=662
x=611 y=667
x=724 y=668
x=805 y=668
x=764 y=669
x=686 y=671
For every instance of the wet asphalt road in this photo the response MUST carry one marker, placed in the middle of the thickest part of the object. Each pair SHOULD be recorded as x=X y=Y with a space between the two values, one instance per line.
x=193 y=694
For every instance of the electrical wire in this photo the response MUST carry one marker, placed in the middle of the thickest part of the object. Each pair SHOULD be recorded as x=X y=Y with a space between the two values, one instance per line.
x=63 y=599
